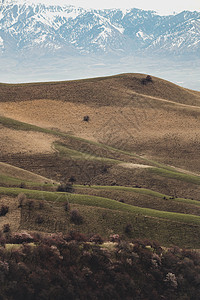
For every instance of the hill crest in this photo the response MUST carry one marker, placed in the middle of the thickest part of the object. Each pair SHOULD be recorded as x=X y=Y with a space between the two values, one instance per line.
x=101 y=91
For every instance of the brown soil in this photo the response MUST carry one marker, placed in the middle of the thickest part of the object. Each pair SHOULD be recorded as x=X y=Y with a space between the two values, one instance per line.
x=159 y=120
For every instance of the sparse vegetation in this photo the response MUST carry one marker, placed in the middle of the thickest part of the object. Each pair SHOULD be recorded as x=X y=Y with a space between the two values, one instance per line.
x=72 y=179
x=65 y=187
x=6 y=228
x=128 y=229
x=101 y=202
x=67 y=206
x=21 y=199
x=147 y=80
x=105 y=169
x=96 y=238
x=30 y=204
x=75 y=217
x=39 y=219
x=22 y=185
x=4 y=210
x=41 y=205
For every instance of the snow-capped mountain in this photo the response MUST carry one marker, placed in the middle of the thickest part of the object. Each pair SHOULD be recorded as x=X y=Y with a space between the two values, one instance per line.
x=38 y=28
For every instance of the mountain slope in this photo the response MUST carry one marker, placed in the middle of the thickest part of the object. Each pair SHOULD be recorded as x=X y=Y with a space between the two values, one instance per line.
x=67 y=29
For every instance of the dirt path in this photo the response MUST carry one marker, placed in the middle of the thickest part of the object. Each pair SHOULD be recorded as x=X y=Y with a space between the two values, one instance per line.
x=164 y=100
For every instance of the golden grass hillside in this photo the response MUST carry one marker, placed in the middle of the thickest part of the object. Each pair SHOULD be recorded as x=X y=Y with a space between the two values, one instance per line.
x=158 y=120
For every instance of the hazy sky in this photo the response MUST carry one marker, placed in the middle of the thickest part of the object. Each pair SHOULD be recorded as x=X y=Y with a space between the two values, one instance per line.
x=164 y=7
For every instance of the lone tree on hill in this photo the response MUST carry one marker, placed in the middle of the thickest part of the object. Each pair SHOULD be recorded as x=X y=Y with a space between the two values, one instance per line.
x=147 y=80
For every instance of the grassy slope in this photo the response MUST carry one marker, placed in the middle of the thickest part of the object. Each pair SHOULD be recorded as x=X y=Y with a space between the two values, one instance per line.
x=85 y=90
x=107 y=216
x=65 y=151
x=135 y=196
x=184 y=226
x=159 y=168
x=141 y=191
x=100 y=202
x=13 y=181
x=12 y=173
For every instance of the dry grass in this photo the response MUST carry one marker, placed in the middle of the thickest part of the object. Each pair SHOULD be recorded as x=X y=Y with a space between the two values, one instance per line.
x=102 y=90
x=13 y=142
x=148 y=120
x=13 y=216
x=152 y=125
x=19 y=173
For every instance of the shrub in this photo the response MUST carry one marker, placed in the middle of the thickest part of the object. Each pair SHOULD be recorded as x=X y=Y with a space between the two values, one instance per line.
x=86 y=118
x=76 y=217
x=68 y=188
x=72 y=179
x=4 y=210
x=6 y=228
x=128 y=229
x=97 y=239
x=30 y=204
x=67 y=206
x=115 y=238
x=149 y=78
x=68 y=267
x=113 y=183
x=105 y=169
x=146 y=80
x=39 y=219
x=21 y=237
x=76 y=236
x=21 y=198
x=22 y=185
x=41 y=205
x=138 y=186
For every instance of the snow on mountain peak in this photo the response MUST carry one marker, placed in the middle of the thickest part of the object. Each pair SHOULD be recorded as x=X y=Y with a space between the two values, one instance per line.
x=25 y=26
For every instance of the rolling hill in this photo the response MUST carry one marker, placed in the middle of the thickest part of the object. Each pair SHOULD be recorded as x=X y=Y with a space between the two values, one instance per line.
x=135 y=160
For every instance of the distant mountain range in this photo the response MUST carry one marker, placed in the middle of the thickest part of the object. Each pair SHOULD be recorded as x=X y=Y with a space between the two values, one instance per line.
x=67 y=30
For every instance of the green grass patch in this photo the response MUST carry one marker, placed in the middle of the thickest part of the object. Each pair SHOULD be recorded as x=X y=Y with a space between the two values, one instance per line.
x=175 y=175
x=140 y=191
x=17 y=125
x=65 y=151
x=125 y=189
x=103 y=203
x=8 y=180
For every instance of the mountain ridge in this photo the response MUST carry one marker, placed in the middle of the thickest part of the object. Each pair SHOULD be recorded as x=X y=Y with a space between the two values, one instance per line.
x=66 y=29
